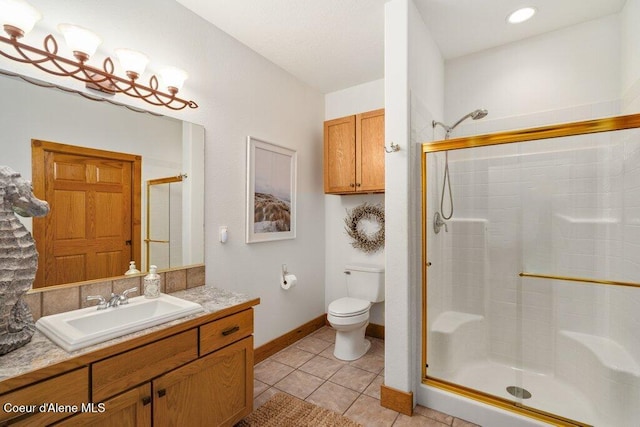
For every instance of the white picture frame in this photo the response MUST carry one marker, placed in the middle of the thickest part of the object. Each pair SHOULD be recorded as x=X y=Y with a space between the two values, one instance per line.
x=271 y=191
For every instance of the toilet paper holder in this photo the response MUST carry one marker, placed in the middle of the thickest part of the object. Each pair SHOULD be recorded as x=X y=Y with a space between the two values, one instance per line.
x=284 y=273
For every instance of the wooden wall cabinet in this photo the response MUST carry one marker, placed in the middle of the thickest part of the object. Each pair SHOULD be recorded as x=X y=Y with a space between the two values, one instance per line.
x=354 y=154
x=200 y=376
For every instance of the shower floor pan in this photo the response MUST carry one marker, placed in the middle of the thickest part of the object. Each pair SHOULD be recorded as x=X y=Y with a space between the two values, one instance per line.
x=548 y=393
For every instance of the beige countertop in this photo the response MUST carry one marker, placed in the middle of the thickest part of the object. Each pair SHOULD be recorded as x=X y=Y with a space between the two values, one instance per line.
x=41 y=353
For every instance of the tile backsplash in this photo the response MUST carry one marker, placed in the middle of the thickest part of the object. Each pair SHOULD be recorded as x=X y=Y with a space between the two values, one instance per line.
x=58 y=299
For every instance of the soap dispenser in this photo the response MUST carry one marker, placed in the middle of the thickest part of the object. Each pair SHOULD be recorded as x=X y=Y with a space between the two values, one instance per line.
x=132 y=269
x=152 y=283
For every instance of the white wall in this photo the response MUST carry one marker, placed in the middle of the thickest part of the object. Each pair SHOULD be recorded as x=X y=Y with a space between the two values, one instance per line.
x=239 y=93
x=338 y=250
x=576 y=66
x=413 y=95
x=630 y=46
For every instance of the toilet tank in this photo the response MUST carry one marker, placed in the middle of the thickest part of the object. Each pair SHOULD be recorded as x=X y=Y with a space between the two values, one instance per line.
x=365 y=281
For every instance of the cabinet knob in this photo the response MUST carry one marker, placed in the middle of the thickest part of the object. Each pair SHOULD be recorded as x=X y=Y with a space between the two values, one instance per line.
x=146 y=400
x=162 y=392
x=358 y=184
x=352 y=185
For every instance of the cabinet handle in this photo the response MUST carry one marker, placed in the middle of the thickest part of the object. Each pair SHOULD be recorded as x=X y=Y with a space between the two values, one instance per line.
x=352 y=185
x=358 y=184
x=162 y=392
x=19 y=418
x=230 y=330
x=146 y=400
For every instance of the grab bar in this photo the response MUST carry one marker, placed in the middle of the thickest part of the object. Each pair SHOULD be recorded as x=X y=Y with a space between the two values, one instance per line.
x=580 y=279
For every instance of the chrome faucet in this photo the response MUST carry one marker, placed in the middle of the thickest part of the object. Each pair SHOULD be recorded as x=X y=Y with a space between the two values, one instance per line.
x=114 y=301
x=102 y=304
x=124 y=298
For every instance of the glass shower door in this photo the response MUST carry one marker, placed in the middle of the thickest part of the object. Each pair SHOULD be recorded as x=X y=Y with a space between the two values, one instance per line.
x=164 y=222
x=533 y=285
x=581 y=250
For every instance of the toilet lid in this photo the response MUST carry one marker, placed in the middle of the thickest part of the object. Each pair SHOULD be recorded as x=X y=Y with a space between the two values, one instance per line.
x=344 y=307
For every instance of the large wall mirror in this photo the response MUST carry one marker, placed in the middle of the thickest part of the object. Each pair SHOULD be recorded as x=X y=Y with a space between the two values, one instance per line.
x=167 y=147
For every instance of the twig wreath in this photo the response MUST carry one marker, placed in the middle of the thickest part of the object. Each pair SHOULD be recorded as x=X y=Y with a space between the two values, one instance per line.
x=366 y=242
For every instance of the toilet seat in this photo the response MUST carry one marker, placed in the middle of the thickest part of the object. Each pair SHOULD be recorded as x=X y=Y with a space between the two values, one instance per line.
x=348 y=307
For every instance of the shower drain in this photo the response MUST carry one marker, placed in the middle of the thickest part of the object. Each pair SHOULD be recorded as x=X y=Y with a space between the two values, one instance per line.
x=518 y=392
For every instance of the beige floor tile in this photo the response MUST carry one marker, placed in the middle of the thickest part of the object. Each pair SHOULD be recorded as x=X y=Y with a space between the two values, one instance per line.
x=353 y=378
x=457 y=422
x=374 y=388
x=328 y=353
x=299 y=384
x=369 y=363
x=263 y=397
x=377 y=347
x=417 y=420
x=327 y=334
x=312 y=344
x=270 y=372
x=259 y=387
x=432 y=413
x=292 y=356
x=368 y=412
x=322 y=367
x=309 y=370
x=333 y=397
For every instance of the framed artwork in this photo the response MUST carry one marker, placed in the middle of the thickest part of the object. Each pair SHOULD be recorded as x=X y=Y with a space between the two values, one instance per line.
x=271 y=191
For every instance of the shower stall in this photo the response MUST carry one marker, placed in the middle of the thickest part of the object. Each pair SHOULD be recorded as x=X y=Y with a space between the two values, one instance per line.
x=531 y=291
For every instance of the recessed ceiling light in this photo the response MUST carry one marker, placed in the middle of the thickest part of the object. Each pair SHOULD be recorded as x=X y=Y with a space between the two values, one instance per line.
x=521 y=15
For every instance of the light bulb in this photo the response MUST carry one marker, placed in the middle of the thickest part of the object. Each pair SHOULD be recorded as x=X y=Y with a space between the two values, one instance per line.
x=173 y=78
x=18 y=17
x=521 y=15
x=81 y=41
x=132 y=61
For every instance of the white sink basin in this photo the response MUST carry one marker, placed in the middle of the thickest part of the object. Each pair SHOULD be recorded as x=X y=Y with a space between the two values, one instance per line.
x=81 y=328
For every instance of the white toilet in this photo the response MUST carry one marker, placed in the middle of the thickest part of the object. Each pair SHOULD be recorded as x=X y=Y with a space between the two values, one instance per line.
x=349 y=316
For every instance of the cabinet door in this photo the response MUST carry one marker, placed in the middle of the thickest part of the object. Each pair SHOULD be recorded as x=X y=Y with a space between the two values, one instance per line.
x=340 y=155
x=129 y=409
x=370 y=151
x=216 y=390
x=66 y=390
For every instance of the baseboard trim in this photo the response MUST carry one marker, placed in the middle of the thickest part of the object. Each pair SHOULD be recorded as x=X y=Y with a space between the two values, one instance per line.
x=272 y=347
x=375 y=331
x=399 y=401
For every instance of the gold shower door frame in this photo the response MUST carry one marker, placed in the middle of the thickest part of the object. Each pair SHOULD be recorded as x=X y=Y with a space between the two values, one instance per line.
x=148 y=240
x=532 y=134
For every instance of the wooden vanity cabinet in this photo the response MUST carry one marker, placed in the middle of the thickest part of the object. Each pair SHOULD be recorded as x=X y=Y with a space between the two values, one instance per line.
x=129 y=409
x=202 y=375
x=216 y=390
x=66 y=390
x=354 y=154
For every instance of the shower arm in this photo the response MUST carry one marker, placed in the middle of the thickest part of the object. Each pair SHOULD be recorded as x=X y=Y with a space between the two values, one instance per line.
x=445 y=127
x=475 y=115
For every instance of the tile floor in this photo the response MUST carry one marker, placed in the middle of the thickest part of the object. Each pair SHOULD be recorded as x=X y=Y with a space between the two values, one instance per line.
x=308 y=370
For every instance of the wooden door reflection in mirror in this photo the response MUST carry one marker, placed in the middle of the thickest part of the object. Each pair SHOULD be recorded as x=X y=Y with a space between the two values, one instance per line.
x=93 y=228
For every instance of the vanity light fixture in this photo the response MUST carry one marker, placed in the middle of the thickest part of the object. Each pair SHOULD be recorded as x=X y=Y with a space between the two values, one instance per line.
x=18 y=18
x=521 y=15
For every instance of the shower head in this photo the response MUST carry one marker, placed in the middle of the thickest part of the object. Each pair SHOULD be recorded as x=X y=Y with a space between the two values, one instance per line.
x=475 y=115
x=478 y=114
